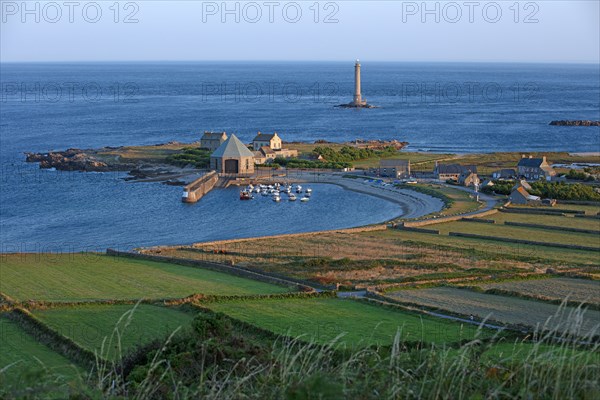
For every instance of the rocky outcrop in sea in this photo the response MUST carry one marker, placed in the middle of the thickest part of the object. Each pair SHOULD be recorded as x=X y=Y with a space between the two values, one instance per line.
x=68 y=160
x=578 y=122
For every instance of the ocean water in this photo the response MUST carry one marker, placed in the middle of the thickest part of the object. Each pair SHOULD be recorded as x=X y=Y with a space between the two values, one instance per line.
x=435 y=107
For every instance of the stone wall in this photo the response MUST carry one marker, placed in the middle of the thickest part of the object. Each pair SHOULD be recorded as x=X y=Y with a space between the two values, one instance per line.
x=551 y=227
x=198 y=188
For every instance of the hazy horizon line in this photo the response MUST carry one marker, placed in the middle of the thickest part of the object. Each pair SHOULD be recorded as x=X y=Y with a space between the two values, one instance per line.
x=299 y=61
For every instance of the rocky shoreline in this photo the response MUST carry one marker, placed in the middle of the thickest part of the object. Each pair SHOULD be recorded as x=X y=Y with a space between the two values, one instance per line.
x=150 y=163
x=578 y=122
x=72 y=160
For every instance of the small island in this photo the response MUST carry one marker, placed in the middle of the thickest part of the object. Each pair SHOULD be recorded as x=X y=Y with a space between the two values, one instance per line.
x=578 y=122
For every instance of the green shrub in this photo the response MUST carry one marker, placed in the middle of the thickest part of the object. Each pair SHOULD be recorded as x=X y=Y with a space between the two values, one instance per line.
x=199 y=158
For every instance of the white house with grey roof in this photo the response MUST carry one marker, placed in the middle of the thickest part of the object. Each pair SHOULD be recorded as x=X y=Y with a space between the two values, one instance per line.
x=232 y=157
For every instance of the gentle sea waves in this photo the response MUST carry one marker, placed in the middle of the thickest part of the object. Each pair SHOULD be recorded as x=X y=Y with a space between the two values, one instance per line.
x=436 y=107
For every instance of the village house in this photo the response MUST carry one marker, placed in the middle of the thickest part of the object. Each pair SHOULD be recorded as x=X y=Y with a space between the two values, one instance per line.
x=522 y=183
x=272 y=141
x=505 y=173
x=264 y=155
x=232 y=157
x=212 y=140
x=394 y=168
x=444 y=172
x=269 y=147
x=468 y=178
x=520 y=195
x=535 y=168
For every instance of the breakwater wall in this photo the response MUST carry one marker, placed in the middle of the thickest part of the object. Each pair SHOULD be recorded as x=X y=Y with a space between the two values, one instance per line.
x=198 y=188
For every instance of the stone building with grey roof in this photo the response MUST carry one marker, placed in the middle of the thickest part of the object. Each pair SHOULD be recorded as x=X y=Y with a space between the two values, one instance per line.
x=212 y=140
x=535 y=168
x=232 y=157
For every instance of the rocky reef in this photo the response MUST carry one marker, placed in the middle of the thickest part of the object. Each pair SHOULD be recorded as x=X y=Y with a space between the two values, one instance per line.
x=578 y=122
x=69 y=160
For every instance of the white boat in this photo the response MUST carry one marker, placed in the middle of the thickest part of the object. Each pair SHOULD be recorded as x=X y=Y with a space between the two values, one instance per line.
x=307 y=195
x=298 y=189
x=304 y=199
x=276 y=199
x=308 y=190
x=292 y=197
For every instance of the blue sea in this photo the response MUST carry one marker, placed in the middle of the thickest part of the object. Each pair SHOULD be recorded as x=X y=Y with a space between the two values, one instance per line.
x=434 y=106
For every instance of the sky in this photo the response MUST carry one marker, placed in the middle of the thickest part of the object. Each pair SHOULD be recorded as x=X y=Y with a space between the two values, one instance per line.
x=157 y=30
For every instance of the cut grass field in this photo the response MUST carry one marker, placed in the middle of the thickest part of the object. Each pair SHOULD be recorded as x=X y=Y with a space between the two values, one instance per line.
x=21 y=353
x=505 y=309
x=323 y=319
x=90 y=325
x=550 y=220
x=520 y=233
x=579 y=290
x=501 y=249
x=78 y=277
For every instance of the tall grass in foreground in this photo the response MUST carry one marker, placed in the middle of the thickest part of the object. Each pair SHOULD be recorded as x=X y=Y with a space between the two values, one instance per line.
x=218 y=359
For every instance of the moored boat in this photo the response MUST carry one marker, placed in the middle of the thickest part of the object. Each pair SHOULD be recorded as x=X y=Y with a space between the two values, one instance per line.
x=245 y=195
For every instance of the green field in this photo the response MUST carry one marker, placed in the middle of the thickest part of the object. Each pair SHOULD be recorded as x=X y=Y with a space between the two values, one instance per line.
x=551 y=220
x=26 y=354
x=76 y=277
x=496 y=249
x=520 y=233
x=89 y=326
x=323 y=319
x=542 y=352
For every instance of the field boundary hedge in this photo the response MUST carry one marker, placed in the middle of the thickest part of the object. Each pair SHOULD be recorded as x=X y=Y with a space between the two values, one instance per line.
x=421 y=230
x=587 y=216
x=579 y=202
x=195 y=299
x=552 y=210
x=523 y=241
x=480 y=220
x=51 y=338
x=553 y=227
x=232 y=270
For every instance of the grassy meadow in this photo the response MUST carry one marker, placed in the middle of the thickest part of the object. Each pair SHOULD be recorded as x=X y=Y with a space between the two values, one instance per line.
x=92 y=327
x=323 y=319
x=23 y=354
x=521 y=233
x=91 y=276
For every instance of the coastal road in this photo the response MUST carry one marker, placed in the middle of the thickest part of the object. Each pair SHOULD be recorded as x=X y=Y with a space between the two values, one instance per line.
x=413 y=204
